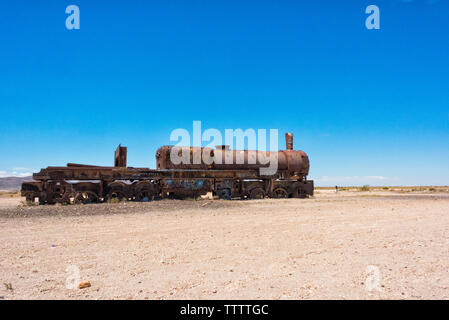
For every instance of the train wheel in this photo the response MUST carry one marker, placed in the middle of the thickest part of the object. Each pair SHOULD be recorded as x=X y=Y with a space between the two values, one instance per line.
x=60 y=194
x=143 y=191
x=115 y=196
x=280 y=193
x=85 y=197
x=224 y=194
x=53 y=198
x=257 y=193
x=62 y=200
x=145 y=195
x=299 y=193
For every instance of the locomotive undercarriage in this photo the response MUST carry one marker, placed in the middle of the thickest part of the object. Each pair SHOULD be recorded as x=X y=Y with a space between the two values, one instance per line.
x=53 y=191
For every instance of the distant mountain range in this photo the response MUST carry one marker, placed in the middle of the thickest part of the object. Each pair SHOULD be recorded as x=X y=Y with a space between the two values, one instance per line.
x=12 y=183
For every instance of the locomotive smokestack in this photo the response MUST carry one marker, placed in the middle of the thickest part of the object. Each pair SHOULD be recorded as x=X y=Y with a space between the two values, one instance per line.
x=289 y=141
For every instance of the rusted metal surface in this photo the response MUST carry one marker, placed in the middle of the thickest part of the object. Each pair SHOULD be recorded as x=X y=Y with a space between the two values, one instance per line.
x=289 y=141
x=295 y=162
x=120 y=156
x=80 y=183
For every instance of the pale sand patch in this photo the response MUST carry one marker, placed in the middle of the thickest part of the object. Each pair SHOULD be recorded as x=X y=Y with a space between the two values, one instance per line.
x=323 y=247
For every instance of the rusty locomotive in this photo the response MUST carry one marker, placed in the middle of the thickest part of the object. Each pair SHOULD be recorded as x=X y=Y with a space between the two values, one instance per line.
x=80 y=183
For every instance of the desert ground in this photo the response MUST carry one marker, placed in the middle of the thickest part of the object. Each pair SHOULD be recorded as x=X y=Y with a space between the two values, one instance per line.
x=354 y=244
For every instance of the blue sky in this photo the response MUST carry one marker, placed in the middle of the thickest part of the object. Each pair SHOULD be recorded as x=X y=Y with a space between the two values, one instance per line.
x=368 y=106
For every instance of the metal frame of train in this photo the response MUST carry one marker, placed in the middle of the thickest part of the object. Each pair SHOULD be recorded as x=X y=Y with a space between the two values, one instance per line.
x=79 y=183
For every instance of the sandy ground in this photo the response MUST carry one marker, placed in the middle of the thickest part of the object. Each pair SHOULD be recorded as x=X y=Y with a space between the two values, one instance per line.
x=350 y=245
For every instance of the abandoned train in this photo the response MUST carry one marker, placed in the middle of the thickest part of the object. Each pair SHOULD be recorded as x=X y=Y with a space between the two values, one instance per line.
x=78 y=183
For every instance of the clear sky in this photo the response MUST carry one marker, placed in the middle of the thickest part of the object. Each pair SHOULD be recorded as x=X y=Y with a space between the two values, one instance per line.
x=368 y=106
